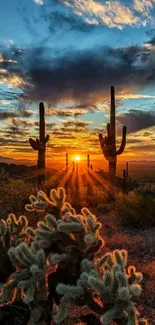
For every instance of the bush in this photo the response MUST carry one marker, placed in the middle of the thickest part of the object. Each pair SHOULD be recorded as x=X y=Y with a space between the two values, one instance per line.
x=134 y=210
x=61 y=263
x=14 y=194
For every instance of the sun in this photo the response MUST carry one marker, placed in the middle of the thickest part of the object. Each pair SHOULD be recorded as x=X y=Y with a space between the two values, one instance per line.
x=77 y=158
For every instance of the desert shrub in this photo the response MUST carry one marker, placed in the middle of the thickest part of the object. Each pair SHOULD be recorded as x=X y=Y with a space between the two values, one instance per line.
x=134 y=210
x=146 y=190
x=4 y=176
x=14 y=194
x=60 y=263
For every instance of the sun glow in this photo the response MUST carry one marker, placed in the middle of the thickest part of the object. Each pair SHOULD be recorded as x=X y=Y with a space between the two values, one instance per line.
x=77 y=158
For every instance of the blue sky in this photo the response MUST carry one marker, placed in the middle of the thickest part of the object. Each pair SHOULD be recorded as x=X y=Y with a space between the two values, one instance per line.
x=68 y=53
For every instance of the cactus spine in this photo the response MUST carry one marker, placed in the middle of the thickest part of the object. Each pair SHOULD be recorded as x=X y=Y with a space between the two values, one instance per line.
x=108 y=143
x=40 y=144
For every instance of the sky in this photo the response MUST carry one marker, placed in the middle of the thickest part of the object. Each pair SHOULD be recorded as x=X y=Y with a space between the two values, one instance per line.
x=68 y=53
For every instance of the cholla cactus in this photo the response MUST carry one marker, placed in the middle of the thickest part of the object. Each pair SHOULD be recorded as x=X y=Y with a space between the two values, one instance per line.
x=12 y=232
x=66 y=228
x=60 y=263
x=29 y=282
x=66 y=237
x=116 y=285
x=56 y=203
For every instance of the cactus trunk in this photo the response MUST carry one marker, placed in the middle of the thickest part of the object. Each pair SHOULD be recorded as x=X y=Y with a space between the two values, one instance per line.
x=41 y=153
x=66 y=160
x=108 y=143
x=113 y=158
x=40 y=144
x=126 y=178
x=88 y=161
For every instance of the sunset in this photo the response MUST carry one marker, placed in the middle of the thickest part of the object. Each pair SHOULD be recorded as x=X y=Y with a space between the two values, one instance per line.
x=77 y=162
x=70 y=55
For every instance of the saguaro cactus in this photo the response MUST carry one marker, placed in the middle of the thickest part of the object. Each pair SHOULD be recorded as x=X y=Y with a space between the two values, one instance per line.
x=40 y=144
x=66 y=161
x=108 y=143
x=126 y=178
x=88 y=161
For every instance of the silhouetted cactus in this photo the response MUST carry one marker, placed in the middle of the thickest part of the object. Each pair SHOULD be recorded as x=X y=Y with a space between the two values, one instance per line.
x=88 y=161
x=66 y=161
x=126 y=178
x=40 y=144
x=108 y=143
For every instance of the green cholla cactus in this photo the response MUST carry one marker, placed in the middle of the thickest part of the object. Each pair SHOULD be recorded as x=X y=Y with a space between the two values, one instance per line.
x=12 y=232
x=66 y=228
x=31 y=266
x=60 y=263
x=56 y=203
x=29 y=282
x=116 y=285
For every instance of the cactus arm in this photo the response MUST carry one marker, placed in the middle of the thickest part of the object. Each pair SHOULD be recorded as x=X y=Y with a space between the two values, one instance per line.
x=108 y=130
x=33 y=144
x=103 y=145
x=122 y=147
x=102 y=141
x=46 y=138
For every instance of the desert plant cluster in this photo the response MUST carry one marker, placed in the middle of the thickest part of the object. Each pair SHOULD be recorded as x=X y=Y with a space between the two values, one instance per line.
x=62 y=262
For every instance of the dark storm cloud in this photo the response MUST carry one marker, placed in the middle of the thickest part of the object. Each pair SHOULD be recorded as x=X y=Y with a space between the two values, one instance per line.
x=89 y=75
x=136 y=120
x=84 y=76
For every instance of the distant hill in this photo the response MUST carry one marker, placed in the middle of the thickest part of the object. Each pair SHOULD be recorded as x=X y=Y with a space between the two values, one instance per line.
x=27 y=173
x=17 y=171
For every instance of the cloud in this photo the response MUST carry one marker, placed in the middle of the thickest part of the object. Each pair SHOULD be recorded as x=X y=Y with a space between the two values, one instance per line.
x=136 y=96
x=76 y=123
x=65 y=112
x=83 y=77
x=87 y=76
x=143 y=148
x=71 y=126
x=133 y=141
x=4 y=115
x=136 y=120
x=39 y=2
x=151 y=41
x=111 y=13
x=144 y=6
